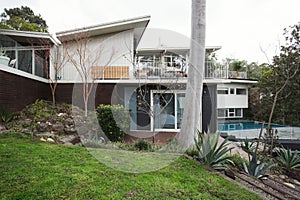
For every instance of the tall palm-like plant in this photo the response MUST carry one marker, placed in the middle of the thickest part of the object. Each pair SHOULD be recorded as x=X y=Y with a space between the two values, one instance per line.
x=210 y=152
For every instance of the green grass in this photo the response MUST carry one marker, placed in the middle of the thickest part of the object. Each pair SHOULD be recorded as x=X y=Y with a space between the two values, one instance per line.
x=30 y=169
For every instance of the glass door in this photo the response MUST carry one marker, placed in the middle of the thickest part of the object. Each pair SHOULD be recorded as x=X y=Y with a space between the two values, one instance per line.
x=167 y=110
x=164 y=110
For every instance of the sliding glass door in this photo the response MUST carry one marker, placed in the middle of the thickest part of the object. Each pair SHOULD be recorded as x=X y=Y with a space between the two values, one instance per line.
x=167 y=110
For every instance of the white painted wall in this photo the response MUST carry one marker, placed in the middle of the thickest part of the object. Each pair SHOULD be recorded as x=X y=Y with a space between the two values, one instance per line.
x=119 y=46
x=232 y=100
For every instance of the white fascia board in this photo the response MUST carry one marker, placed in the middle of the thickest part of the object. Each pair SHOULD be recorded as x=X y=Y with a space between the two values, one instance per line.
x=21 y=73
x=29 y=34
x=105 y=28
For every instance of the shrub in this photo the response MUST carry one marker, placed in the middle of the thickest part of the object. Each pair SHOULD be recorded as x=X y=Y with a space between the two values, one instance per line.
x=114 y=121
x=210 y=153
x=40 y=109
x=287 y=159
x=142 y=145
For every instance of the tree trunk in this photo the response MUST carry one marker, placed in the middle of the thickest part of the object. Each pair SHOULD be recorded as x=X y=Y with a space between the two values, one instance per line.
x=192 y=117
x=272 y=111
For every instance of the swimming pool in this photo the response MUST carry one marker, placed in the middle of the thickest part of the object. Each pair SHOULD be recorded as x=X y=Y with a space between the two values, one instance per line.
x=251 y=129
x=232 y=126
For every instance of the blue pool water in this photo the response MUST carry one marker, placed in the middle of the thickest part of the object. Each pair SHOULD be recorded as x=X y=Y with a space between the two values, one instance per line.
x=232 y=126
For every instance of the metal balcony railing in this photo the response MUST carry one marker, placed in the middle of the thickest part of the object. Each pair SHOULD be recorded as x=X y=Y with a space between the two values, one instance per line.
x=161 y=71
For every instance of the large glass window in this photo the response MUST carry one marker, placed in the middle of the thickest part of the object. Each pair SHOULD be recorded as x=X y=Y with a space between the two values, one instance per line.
x=41 y=63
x=25 y=56
x=25 y=60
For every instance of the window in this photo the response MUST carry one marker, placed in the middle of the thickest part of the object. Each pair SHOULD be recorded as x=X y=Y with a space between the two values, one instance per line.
x=238 y=112
x=241 y=91
x=230 y=113
x=25 y=60
x=222 y=91
x=41 y=63
x=231 y=90
x=222 y=113
x=26 y=56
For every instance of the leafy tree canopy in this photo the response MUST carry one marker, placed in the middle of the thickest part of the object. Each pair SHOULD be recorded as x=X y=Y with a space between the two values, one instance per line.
x=280 y=80
x=22 y=19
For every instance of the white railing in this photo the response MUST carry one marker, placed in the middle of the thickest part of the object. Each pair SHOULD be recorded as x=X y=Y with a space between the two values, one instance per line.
x=213 y=70
x=150 y=70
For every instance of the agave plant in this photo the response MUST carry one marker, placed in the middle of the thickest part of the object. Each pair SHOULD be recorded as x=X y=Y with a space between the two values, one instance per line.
x=256 y=168
x=287 y=159
x=6 y=116
x=210 y=153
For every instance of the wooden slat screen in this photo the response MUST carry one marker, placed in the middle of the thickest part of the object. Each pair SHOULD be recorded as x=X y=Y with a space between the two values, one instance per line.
x=110 y=72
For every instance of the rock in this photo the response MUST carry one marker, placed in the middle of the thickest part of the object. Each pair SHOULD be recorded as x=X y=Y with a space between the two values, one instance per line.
x=43 y=127
x=296 y=182
x=68 y=122
x=289 y=185
x=61 y=114
x=50 y=140
x=72 y=139
x=46 y=135
x=70 y=130
x=281 y=176
x=48 y=123
x=78 y=144
x=26 y=130
x=58 y=127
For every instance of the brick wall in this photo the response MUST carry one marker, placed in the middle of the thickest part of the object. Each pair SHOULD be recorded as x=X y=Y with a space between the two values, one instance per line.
x=16 y=92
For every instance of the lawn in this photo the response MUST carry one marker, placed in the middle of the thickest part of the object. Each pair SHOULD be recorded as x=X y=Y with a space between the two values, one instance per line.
x=30 y=169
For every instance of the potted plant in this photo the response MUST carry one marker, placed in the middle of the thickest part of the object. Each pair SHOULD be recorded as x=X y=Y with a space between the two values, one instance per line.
x=4 y=60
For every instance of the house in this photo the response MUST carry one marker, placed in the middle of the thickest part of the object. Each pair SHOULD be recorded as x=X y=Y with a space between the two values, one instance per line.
x=143 y=69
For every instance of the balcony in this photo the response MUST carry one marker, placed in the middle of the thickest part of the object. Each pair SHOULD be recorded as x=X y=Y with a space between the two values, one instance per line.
x=154 y=71
x=216 y=71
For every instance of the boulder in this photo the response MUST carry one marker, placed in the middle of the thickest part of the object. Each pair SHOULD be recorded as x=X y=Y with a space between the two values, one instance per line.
x=58 y=127
x=70 y=139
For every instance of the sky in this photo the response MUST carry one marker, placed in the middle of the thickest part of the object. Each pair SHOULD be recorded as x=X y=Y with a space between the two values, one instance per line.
x=248 y=30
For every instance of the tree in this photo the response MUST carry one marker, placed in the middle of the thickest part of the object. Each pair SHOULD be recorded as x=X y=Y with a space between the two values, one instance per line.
x=57 y=58
x=22 y=19
x=192 y=117
x=83 y=56
x=285 y=66
x=278 y=88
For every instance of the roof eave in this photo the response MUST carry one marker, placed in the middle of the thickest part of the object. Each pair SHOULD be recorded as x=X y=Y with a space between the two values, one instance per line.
x=117 y=26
